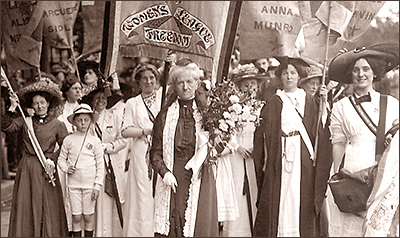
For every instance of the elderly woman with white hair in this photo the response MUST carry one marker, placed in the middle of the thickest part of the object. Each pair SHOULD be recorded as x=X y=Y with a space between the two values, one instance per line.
x=177 y=156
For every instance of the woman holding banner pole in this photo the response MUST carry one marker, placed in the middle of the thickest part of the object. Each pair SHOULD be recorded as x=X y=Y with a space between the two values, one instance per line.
x=37 y=208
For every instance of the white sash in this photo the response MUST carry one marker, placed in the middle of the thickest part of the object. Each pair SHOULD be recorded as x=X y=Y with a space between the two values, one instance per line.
x=302 y=129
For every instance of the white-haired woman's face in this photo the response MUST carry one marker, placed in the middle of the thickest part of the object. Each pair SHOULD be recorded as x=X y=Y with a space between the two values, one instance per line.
x=185 y=85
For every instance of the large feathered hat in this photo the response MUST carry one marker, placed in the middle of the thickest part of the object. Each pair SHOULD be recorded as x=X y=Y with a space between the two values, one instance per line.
x=340 y=66
x=26 y=93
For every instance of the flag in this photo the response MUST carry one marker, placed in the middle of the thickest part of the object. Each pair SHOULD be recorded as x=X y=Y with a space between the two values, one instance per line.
x=340 y=14
x=58 y=22
x=22 y=33
x=193 y=29
x=92 y=17
x=314 y=34
x=364 y=12
x=314 y=16
x=268 y=28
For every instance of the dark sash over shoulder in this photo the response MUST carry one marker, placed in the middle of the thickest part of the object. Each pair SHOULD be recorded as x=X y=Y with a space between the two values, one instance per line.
x=363 y=114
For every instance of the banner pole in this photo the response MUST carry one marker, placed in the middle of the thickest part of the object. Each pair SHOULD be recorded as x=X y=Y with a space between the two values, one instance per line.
x=230 y=34
x=322 y=100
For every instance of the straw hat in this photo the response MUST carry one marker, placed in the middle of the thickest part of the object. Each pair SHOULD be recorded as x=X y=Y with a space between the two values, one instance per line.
x=26 y=93
x=245 y=72
x=83 y=108
x=313 y=72
x=340 y=65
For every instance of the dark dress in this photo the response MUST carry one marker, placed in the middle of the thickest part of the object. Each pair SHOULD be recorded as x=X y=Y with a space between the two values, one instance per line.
x=37 y=208
x=269 y=134
x=184 y=149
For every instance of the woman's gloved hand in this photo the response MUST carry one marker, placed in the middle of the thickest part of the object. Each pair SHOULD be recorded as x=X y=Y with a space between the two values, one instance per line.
x=170 y=180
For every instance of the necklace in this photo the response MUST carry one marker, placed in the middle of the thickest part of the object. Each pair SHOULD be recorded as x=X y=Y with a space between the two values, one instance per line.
x=149 y=99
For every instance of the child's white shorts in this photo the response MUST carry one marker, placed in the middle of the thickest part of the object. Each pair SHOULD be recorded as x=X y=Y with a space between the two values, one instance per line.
x=81 y=201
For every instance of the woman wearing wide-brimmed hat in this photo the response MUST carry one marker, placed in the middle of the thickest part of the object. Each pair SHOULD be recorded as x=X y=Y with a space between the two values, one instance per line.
x=37 y=208
x=241 y=164
x=286 y=175
x=352 y=140
x=108 y=128
x=140 y=112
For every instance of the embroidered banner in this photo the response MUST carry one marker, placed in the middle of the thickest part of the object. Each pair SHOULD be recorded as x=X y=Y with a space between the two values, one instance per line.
x=193 y=29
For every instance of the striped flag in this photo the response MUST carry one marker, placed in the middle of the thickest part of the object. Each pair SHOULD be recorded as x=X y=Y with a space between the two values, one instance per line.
x=192 y=29
x=268 y=28
x=21 y=31
x=58 y=22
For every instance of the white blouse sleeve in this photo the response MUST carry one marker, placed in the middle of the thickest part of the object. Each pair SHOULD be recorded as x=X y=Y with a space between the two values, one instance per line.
x=337 y=128
x=129 y=113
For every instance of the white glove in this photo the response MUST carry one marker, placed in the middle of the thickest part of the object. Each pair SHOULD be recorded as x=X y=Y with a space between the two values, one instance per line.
x=14 y=100
x=170 y=180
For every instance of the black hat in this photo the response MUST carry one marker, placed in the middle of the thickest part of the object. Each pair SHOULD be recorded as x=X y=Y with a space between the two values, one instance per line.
x=84 y=65
x=286 y=60
x=340 y=65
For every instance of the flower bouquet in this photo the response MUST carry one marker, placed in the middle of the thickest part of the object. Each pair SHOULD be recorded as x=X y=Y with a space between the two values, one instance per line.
x=228 y=112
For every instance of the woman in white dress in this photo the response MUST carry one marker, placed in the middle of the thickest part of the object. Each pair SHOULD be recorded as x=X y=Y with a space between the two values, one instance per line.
x=351 y=138
x=242 y=164
x=108 y=128
x=139 y=114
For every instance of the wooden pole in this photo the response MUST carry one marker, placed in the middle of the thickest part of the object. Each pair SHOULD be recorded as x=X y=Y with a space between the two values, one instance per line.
x=35 y=143
x=75 y=61
x=230 y=34
x=322 y=100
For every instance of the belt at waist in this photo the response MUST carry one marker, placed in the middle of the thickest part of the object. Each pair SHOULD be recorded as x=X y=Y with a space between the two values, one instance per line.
x=292 y=133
